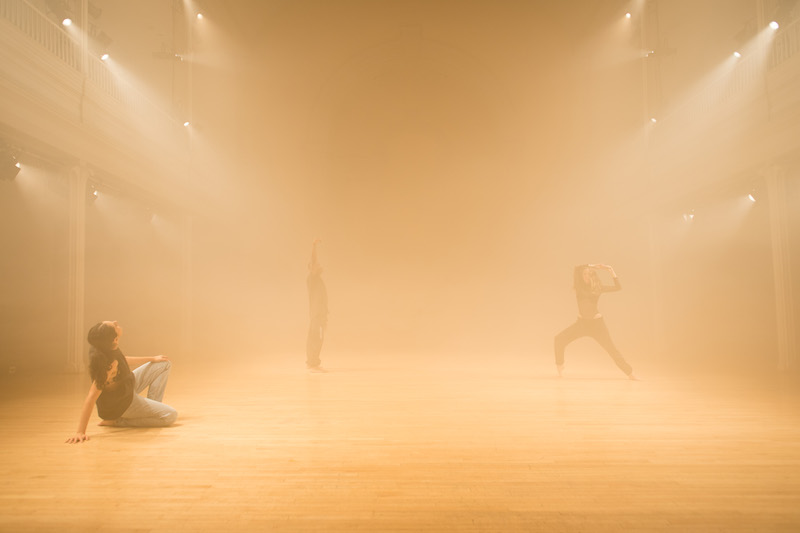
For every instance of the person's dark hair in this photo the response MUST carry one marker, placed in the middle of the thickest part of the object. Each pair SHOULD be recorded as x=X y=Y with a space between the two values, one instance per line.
x=580 y=285
x=577 y=277
x=99 y=362
x=101 y=336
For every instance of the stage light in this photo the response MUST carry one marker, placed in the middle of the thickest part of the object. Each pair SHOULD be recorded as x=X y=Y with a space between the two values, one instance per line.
x=104 y=57
x=653 y=120
x=737 y=55
x=186 y=124
x=627 y=15
x=67 y=22
x=774 y=25
x=751 y=197
x=688 y=216
x=199 y=16
x=9 y=168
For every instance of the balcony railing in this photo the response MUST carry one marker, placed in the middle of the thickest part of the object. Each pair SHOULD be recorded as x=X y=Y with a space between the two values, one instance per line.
x=42 y=30
x=721 y=95
x=786 y=44
x=38 y=28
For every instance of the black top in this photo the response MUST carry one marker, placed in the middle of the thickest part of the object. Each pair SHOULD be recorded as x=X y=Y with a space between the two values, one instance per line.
x=117 y=395
x=587 y=298
x=317 y=297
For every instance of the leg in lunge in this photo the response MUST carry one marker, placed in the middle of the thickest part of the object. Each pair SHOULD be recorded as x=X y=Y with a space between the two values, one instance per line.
x=573 y=332
x=603 y=338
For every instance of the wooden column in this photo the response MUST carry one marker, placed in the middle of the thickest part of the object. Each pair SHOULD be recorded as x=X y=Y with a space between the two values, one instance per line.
x=78 y=178
x=186 y=285
x=658 y=336
x=781 y=268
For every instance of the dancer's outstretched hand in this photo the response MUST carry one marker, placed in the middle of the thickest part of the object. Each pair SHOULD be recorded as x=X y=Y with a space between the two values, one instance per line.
x=78 y=437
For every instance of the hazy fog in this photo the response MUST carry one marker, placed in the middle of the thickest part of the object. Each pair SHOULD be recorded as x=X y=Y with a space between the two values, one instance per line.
x=457 y=160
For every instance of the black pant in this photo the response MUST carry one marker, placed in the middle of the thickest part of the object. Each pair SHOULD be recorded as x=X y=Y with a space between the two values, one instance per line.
x=596 y=329
x=316 y=334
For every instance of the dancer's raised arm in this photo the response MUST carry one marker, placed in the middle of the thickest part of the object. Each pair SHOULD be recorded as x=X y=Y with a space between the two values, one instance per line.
x=608 y=268
x=314 y=263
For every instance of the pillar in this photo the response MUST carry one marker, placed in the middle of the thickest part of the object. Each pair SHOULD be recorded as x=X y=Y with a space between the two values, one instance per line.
x=78 y=179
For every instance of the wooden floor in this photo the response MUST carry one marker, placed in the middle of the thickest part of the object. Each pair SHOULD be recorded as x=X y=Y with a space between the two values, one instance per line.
x=408 y=444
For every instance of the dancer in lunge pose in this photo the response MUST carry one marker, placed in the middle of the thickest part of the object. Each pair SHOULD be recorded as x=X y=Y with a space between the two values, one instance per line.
x=318 y=311
x=115 y=388
x=590 y=323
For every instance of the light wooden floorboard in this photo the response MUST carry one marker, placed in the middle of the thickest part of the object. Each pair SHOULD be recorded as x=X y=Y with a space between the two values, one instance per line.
x=408 y=444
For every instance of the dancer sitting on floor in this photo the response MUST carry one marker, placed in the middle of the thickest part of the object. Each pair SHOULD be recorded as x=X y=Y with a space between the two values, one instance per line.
x=590 y=323
x=115 y=388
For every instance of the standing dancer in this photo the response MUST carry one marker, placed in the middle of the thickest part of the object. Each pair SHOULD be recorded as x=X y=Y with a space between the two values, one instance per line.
x=115 y=388
x=318 y=311
x=590 y=323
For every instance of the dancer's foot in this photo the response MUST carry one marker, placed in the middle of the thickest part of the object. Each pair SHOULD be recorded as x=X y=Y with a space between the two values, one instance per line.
x=560 y=369
x=317 y=369
x=107 y=423
x=633 y=377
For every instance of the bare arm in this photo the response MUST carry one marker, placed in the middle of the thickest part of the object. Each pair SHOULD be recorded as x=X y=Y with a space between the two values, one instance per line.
x=86 y=412
x=133 y=362
x=609 y=288
x=609 y=269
